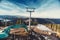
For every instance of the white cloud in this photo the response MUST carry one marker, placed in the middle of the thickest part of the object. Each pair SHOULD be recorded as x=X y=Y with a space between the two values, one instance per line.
x=48 y=14
x=47 y=10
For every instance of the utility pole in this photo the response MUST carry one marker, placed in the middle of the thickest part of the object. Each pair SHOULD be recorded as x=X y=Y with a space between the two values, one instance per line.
x=30 y=10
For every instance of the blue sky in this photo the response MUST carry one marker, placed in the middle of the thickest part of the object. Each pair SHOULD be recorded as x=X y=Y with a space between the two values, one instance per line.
x=44 y=8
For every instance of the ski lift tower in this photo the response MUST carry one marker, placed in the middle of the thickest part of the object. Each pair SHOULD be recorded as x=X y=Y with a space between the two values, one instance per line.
x=30 y=10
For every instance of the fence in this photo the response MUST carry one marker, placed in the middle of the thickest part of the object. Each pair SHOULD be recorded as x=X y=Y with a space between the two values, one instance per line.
x=54 y=27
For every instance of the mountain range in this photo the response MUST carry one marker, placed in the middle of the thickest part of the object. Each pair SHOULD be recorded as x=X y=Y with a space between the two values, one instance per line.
x=39 y=20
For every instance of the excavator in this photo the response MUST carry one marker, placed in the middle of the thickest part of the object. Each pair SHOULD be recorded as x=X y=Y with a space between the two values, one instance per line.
x=16 y=29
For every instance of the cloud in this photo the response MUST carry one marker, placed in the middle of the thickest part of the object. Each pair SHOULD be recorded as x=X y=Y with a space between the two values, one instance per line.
x=50 y=9
x=28 y=3
x=7 y=8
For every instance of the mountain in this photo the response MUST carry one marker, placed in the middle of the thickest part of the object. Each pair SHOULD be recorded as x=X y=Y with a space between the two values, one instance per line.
x=46 y=20
x=39 y=20
x=10 y=16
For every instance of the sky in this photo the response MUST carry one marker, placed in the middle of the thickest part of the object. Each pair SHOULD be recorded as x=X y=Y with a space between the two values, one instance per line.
x=43 y=8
